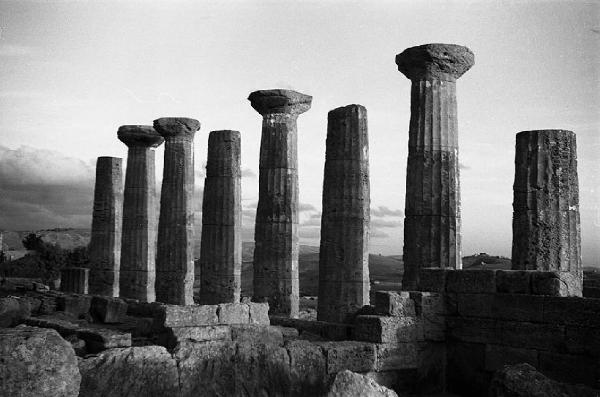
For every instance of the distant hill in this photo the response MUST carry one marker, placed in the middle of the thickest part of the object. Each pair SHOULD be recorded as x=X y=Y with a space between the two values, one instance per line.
x=66 y=238
x=485 y=261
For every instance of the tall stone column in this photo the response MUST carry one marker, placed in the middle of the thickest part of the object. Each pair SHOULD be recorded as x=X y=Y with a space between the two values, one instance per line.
x=546 y=228
x=138 y=248
x=105 y=242
x=276 y=231
x=75 y=280
x=432 y=235
x=221 y=242
x=344 y=252
x=174 y=254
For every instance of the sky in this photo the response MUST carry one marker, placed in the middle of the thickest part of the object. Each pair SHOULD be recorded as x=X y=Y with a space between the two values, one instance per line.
x=74 y=71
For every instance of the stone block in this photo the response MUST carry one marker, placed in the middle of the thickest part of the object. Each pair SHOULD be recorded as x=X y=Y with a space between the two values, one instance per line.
x=465 y=369
x=354 y=356
x=13 y=310
x=233 y=313
x=64 y=328
x=308 y=368
x=288 y=333
x=259 y=313
x=471 y=281
x=568 y=368
x=397 y=356
x=497 y=356
x=432 y=279
x=513 y=281
x=75 y=305
x=582 y=340
x=556 y=283
x=518 y=307
x=392 y=303
x=173 y=336
x=256 y=334
x=432 y=309
x=533 y=335
x=582 y=312
x=329 y=331
x=108 y=310
x=475 y=305
x=98 y=339
x=474 y=330
x=383 y=329
x=187 y=316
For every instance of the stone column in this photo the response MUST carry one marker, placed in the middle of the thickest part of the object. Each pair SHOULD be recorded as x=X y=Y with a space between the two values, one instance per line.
x=105 y=242
x=174 y=254
x=74 y=280
x=138 y=248
x=546 y=229
x=276 y=231
x=221 y=242
x=432 y=235
x=344 y=252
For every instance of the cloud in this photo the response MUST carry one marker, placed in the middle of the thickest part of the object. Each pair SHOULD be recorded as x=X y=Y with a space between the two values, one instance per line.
x=385 y=211
x=378 y=234
x=306 y=207
x=463 y=166
x=248 y=173
x=310 y=232
x=44 y=189
x=383 y=223
x=16 y=50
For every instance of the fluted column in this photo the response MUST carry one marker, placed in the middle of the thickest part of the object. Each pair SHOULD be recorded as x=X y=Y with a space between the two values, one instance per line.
x=105 y=242
x=75 y=280
x=344 y=252
x=138 y=248
x=546 y=228
x=174 y=254
x=432 y=235
x=221 y=242
x=276 y=231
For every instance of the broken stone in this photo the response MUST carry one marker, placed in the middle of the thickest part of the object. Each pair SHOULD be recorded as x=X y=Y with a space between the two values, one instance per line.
x=108 y=310
x=350 y=384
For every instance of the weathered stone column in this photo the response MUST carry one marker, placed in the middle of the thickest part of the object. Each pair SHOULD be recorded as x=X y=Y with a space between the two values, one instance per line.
x=546 y=228
x=221 y=242
x=276 y=231
x=75 y=280
x=105 y=242
x=344 y=252
x=138 y=248
x=432 y=235
x=174 y=254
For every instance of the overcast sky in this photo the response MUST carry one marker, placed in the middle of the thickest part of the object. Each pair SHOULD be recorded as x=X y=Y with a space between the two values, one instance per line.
x=74 y=71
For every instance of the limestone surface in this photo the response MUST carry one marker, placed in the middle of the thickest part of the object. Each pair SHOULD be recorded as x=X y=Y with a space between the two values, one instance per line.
x=75 y=279
x=344 y=253
x=350 y=384
x=221 y=241
x=440 y=61
x=276 y=230
x=37 y=362
x=138 y=247
x=105 y=242
x=174 y=254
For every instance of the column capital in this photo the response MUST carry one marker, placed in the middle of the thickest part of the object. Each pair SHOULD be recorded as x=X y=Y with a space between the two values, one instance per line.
x=176 y=126
x=139 y=135
x=438 y=61
x=279 y=101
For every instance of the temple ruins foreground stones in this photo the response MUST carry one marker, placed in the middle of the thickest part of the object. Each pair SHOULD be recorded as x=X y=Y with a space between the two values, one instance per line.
x=432 y=234
x=221 y=244
x=174 y=254
x=105 y=242
x=546 y=227
x=138 y=251
x=276 y=231
x=344 y=252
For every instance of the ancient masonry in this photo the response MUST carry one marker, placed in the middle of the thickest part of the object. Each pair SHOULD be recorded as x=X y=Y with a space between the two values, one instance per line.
x=276 y=231
x=139 y=213
x=344 y=252
x=546 y=228
x=174 y=254
x=75 y=280
x=221 y=241
x=105 y=243
x=432 y=235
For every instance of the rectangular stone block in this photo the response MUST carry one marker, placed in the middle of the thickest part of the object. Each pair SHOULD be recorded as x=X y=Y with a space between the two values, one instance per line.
x=392 y=303
x=233 y=313
x=256 y=334
x=556 y=283
x=581 y=312
x=350 y=355
x=513 y=281
x=98 y=339
x=474 y=330
x=188 y=316
x=108 y=310
x=64 y=328
x=75 y=305
x=432 y=279
x=432 y=309
x=497 y=356
x=172 y=336
x=533 y=335
x=583 y=340
x=308 y=368
x=501 y=306
x=259 y=313
x=471 y=281
x=382 y=329
x=330 y=331
x=397 y=356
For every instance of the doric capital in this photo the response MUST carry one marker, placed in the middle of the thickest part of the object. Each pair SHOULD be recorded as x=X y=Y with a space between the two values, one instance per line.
x=279 y=101
x=176 y=126
x=438 y=61
x=139 y=135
